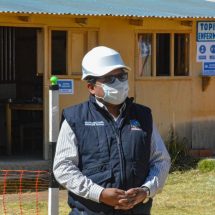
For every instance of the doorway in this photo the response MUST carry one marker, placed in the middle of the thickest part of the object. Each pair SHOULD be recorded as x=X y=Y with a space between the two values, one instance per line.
x=21 y=92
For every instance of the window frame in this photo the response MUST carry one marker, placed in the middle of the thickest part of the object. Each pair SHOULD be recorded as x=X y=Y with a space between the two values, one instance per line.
x=69 y=73
x=154 y=33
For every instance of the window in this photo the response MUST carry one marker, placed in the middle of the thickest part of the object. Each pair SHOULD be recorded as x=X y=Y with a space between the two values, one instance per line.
x=181 y=53
x=7 y=55
x=145 y=54
x=68 y=48
x=163 y=54
x=58 y=52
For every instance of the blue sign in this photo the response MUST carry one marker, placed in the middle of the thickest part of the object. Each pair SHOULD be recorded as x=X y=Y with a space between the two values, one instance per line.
x=202 y=49
x=66 y=86
x=212 y=49
x=205 y=31
x=209 y=68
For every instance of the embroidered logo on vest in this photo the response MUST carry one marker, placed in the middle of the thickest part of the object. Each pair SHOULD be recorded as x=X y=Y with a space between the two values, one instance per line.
x=96 y=123
x=135 y=125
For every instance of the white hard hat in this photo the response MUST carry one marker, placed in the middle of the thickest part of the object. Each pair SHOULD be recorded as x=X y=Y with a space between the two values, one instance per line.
x=100 y=61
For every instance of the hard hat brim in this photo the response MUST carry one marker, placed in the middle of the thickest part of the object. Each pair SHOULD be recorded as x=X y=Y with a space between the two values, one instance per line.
x=105 y=71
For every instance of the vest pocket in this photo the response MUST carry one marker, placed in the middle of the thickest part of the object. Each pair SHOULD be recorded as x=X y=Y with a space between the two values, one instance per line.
x=100 y=174
x=140 y=172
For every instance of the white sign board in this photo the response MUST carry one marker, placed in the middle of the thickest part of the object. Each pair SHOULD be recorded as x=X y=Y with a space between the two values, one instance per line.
x=205 y=51
x=208 y=69
x=66 y=86
x=205 y=31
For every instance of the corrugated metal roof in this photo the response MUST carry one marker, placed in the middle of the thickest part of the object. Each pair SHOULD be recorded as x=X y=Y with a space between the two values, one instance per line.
x=137 y=8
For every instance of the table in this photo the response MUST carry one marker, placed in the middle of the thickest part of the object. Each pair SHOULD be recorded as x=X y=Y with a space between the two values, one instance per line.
x=14 y=106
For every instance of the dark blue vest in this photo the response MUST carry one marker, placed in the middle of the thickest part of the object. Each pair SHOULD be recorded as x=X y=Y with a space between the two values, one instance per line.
x=111 y=154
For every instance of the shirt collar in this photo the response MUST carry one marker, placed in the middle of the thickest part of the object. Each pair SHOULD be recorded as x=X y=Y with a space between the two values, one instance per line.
x=122 y=108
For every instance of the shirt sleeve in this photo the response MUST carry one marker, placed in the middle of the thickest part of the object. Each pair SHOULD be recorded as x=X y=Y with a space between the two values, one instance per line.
x=159 y=164
x=66 y=169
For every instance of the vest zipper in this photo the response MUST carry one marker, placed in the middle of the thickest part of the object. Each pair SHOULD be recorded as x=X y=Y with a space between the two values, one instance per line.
x=117 y=132
x=122 y=164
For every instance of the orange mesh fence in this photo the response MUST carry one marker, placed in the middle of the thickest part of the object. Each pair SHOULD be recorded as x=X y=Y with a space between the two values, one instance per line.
x=23 y=192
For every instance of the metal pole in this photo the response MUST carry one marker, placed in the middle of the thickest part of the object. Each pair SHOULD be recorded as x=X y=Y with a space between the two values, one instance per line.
x=53 y=199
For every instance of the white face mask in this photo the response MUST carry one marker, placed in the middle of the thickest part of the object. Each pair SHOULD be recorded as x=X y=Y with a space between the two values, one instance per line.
x=116 y=92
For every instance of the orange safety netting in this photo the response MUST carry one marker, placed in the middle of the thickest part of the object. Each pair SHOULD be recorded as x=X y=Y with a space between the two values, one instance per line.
x=18 y=186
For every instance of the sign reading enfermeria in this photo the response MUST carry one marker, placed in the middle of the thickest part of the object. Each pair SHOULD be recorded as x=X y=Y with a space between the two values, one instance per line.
x=205 y=31
x=205 y=36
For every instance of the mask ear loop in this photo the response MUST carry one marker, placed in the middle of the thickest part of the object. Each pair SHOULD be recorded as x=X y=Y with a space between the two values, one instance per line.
x=99 y=97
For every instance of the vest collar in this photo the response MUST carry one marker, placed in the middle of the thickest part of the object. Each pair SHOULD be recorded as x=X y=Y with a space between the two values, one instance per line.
x=125 y=107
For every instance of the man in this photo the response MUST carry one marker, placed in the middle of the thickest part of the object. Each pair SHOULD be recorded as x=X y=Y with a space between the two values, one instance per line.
x=109 y=155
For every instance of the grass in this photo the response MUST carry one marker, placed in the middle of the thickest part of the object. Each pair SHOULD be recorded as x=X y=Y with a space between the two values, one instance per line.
x=186 y=193
x=29 y=204
x=206 y=165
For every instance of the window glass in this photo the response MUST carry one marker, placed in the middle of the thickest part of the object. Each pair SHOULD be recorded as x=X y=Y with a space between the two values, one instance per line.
x=7 y=54
x=163 y=54
x=181 y=55
x=59 y=52
x=145 y=55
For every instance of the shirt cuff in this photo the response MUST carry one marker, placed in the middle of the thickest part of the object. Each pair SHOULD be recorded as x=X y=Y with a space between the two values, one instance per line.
x=152 y=190
x=95 y=192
